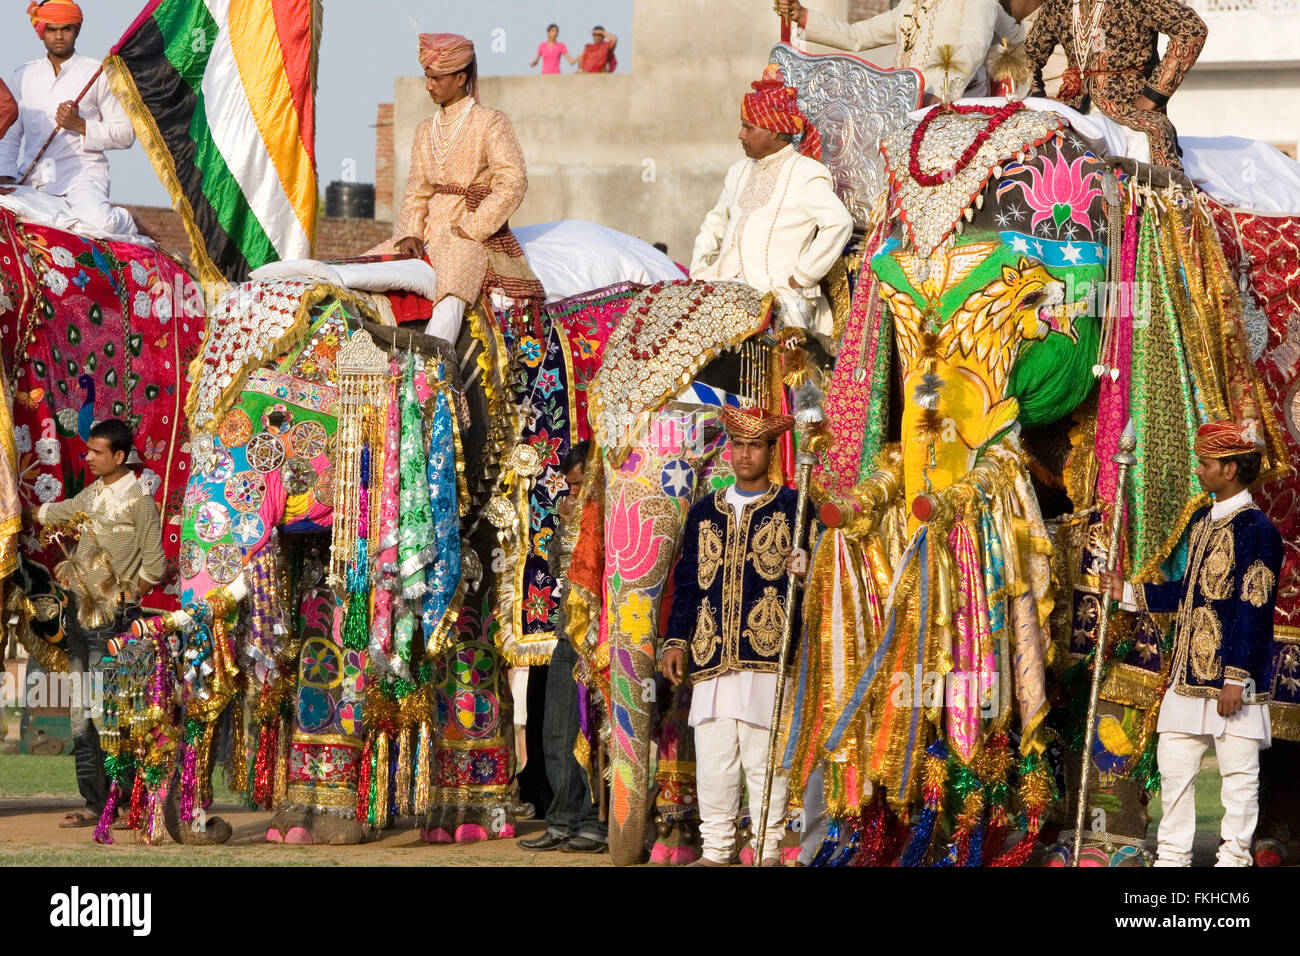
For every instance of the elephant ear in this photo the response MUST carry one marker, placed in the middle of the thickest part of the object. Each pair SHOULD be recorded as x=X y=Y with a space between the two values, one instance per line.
x=1053 y=376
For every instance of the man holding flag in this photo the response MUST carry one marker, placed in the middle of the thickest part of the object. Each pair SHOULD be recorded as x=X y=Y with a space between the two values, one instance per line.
x=67 y=118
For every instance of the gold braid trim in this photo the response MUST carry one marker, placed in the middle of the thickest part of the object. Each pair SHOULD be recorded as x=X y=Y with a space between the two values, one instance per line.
x=312 y=297
x=1286 y=720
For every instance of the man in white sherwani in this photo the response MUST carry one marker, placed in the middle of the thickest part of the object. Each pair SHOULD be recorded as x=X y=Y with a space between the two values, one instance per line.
x=73 y=167
x=778 y=225
x=921 y=33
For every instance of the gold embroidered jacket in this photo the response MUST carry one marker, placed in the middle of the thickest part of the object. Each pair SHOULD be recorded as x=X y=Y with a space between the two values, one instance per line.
x=729 y=585
x=1224 y=603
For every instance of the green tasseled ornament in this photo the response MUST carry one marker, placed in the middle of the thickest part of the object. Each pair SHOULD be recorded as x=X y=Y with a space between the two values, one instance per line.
x=356 y=623
x=117 y=766
x=962 y=781
x=153 y=774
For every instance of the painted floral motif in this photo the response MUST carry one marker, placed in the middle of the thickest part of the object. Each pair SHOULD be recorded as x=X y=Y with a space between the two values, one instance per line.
x=631 y=545
x=634 y=616
x=320 y=664
x=315 y=709
x=1061 y=192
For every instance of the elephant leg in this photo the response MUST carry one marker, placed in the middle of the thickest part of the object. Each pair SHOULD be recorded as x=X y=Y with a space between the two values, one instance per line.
x=646 y=503
x=677 y=837
x=325 y=748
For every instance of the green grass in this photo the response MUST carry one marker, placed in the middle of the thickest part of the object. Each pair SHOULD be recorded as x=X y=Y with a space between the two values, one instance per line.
x=25 y=775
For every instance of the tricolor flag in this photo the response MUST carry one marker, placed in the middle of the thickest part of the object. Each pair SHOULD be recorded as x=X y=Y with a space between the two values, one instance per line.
x=222 y=97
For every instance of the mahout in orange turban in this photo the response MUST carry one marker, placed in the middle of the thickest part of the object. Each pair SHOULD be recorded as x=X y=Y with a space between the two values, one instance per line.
x=53 y=13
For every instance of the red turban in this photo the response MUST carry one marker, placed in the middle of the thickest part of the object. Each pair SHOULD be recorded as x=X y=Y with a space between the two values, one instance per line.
x=756 y=423
x=53 y=13
x=1226 y=439
x=775 y=106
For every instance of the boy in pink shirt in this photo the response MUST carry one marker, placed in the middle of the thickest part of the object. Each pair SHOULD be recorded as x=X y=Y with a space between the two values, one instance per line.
x=551 y=51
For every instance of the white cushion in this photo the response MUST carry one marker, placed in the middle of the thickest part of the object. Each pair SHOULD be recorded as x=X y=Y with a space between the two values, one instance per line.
x=296 y=269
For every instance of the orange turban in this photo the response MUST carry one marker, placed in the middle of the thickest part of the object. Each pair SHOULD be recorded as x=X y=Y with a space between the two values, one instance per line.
x=53 y=13
x=756 y=423
x=775 y=106
x=1226 y=439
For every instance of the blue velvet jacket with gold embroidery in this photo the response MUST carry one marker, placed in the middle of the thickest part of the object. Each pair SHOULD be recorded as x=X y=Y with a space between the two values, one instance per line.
x=1224 y=603
x=730 y=582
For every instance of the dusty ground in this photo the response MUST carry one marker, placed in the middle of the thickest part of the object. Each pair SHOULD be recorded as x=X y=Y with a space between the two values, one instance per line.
x=30 y=836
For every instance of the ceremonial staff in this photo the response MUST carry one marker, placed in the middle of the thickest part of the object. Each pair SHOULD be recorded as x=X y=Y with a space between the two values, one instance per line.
x=808 y=418
x=1125 y=459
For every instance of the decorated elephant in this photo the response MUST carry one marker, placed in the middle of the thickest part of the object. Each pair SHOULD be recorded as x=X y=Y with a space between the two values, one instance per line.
x=287 y=394
x=1016 y=278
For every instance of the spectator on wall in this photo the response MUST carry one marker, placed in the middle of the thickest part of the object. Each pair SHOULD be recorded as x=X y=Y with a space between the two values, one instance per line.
x=550 y=51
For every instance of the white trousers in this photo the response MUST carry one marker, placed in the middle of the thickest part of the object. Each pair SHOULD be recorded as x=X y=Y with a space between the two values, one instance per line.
x=446 y=319
x=725 y=748
x=88 y=201
x=1179 y=756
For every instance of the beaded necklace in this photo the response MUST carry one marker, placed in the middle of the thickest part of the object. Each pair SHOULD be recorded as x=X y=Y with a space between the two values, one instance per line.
x=443 y=143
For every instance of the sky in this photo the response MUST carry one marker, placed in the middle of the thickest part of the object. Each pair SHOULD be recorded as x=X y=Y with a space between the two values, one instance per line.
x=365 y=46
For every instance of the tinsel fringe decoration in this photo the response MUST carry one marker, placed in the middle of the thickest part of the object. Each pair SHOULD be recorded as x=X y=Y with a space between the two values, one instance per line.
x=116 y=767
x=423 y=771
x=282 y=761
x=363 y=781
x=1037 y=793
x=851 y=847
x=189 y=768
x=263 y=782
x=237 y=761
x=356 y=624
x=104 y=829
x=829 y=843
x=155 y=827
x=880 y=834
x=935 y=779
x=135 y=816
x=402 y=777
x=379 y=782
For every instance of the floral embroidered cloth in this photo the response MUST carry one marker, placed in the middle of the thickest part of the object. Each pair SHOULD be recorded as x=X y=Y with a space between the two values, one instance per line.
x=92 y=330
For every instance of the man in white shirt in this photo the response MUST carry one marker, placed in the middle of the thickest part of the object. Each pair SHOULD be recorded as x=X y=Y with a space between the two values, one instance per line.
x=778 y=225
x=73 y=166
x=1218 y=691
x=947 y=40
x=729 y=610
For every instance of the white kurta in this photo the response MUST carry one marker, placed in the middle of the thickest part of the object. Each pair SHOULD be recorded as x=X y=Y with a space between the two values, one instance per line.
x=966 y=27
x=74 y=166
x=777 y=218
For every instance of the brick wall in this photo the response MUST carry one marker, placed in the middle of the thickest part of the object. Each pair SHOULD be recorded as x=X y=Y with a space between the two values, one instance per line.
x=335 y=238
x=384 y=162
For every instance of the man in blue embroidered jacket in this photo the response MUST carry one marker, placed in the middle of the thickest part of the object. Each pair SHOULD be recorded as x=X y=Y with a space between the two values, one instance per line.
x=729 y=610
x=1218 y=690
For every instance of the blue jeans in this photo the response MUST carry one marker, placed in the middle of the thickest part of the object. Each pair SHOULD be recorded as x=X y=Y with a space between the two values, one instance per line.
x=573 y=811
